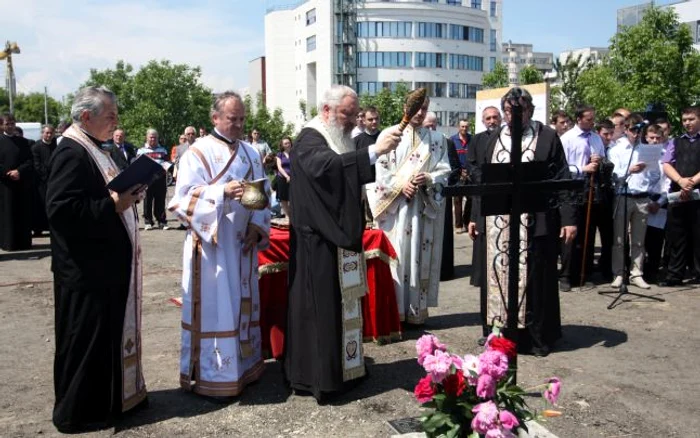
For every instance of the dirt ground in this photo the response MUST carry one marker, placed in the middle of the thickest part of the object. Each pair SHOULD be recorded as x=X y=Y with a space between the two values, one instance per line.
x=627 y=372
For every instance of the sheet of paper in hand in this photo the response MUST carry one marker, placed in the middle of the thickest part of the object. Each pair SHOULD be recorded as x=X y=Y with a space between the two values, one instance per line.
x=144 y=170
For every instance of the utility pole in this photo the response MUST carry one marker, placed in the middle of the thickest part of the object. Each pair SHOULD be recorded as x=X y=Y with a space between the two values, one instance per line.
x=10 y=85
x=46 y=107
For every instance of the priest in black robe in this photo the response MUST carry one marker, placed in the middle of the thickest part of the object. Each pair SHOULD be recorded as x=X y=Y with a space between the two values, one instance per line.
x=326 y=216
x=540 y=318
x=16 y=176
x=97 y=274
x=41 y=154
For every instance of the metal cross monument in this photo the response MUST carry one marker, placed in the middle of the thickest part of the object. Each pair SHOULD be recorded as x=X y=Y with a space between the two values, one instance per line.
x=521 y=185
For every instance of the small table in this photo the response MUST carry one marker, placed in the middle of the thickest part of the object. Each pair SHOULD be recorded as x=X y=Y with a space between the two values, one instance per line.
x=379 y=309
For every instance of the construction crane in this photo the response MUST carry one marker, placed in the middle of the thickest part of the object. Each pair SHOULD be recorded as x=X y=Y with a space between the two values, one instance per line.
x=10 y=49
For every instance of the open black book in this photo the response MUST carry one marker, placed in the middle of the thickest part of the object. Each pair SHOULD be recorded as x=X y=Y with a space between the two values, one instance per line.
x=143 y=170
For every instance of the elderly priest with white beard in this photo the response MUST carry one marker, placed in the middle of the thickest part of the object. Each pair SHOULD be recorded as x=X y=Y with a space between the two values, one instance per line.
x=324 y=329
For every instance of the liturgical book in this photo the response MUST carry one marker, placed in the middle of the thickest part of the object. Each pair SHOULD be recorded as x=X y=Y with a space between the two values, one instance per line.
x=143 y=170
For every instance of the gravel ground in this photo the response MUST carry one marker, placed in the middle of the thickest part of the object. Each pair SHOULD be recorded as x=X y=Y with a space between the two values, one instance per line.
x=627 y=372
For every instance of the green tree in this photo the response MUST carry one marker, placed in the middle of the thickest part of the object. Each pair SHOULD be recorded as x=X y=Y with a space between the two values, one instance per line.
x=164 y=96
x=653 y=61
x=30 y=107
x=530 y=75
x=389 y=104
x=497 y=78
x=271 y=126
x=568 y=95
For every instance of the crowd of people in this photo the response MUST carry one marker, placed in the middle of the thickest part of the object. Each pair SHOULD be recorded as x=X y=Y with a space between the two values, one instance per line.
x=347 y=174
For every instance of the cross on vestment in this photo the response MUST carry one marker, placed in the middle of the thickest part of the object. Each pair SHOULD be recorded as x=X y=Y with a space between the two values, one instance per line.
x=522 y=190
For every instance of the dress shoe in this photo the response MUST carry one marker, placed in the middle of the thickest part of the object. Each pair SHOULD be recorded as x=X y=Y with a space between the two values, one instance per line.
x=670 y=282
x=617 y=282
x=564 y=286
x=542 y=351
x=481 y=341
x=639 y=282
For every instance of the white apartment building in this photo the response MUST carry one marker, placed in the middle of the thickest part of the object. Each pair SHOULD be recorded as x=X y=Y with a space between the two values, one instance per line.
x=515 y=56
x=688 y=12
x=442 y=45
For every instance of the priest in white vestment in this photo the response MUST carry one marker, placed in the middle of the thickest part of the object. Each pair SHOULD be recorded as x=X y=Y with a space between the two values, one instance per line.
x=408 y=207
x=221 y=341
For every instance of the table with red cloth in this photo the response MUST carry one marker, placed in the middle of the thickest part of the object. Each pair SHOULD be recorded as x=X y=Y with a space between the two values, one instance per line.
x=379 y=309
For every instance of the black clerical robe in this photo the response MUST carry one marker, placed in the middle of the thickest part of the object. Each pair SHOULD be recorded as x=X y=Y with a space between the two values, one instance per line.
x=542 y=313
x=326 y=214
x=15 y=195
x=447 y=266
x=91 y=264
x=41 y=154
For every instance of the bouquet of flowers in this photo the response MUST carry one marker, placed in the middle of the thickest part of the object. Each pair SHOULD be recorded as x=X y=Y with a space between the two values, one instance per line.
x=474 y=396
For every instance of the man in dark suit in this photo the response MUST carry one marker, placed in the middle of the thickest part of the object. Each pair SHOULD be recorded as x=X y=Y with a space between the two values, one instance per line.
x=462 y=204
x=41 y=153
x=539 y=291
x=122 y=152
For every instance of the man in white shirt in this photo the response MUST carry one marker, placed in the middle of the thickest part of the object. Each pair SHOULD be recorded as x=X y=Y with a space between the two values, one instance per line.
x=642 y=185
x=584 y=151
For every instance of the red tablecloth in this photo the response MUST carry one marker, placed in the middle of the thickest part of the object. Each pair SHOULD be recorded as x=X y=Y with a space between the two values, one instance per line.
x=379 y=310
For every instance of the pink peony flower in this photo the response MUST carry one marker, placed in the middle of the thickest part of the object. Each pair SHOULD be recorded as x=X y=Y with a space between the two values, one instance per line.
x=552 y=391
x=508 y=420
x=499 y=432
x=470 y=365
x=493 y=363
x=438 y=365
x=426 y=345
x=485 y=417
x=424 y=391
x=457 y=361
x=485 y=386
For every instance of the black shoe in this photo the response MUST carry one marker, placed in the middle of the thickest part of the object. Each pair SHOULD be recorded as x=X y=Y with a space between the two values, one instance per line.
x=564 y=286
x=481 y=341
x=542 y=351
x=670 y=282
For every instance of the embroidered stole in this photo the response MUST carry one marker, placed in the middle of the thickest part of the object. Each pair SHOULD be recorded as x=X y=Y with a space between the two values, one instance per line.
x=497 y=244
x=133 y=385
x=353 y=286
x=413 y=163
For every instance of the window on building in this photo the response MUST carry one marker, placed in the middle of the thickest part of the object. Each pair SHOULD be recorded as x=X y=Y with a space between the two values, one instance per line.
x=454 y=2
x=372 y=88
x=463 y=91
x=435 y=89
x=430 y=1
x=311 y=43
x=697 y=32
x=311 y=17
x=476 y=4
x=431 y=60
x=384 y=59
x=493 y=42
x=385 y=29
x=493 y=8
x=466 y=33
x=432 y=30
x=466 y=62
x=492 y=63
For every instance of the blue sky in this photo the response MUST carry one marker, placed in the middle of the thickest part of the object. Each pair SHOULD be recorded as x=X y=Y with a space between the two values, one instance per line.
x=62 y=39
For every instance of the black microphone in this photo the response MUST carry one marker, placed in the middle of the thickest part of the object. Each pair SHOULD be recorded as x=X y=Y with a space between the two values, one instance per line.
x=641 y=125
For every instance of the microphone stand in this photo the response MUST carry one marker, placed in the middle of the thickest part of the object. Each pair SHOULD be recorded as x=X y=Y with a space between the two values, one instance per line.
x=624 y=290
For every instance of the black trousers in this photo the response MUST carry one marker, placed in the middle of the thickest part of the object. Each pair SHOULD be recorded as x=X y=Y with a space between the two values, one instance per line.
x=154 y=204
x=653 y=246
x=447 y=267
x=572 y=253
x=683 y=234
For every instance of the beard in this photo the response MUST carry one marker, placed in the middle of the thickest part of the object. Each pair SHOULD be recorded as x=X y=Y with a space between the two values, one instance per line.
x=341 y=139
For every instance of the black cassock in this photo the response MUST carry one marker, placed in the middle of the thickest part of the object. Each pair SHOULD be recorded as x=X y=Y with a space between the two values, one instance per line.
x=41 y=154
x=542 y=314
x=91 y=264
x=15 y=196
x=326 y=214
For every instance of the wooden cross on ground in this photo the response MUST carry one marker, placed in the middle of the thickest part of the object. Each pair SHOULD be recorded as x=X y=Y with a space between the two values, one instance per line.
x=520 y=183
